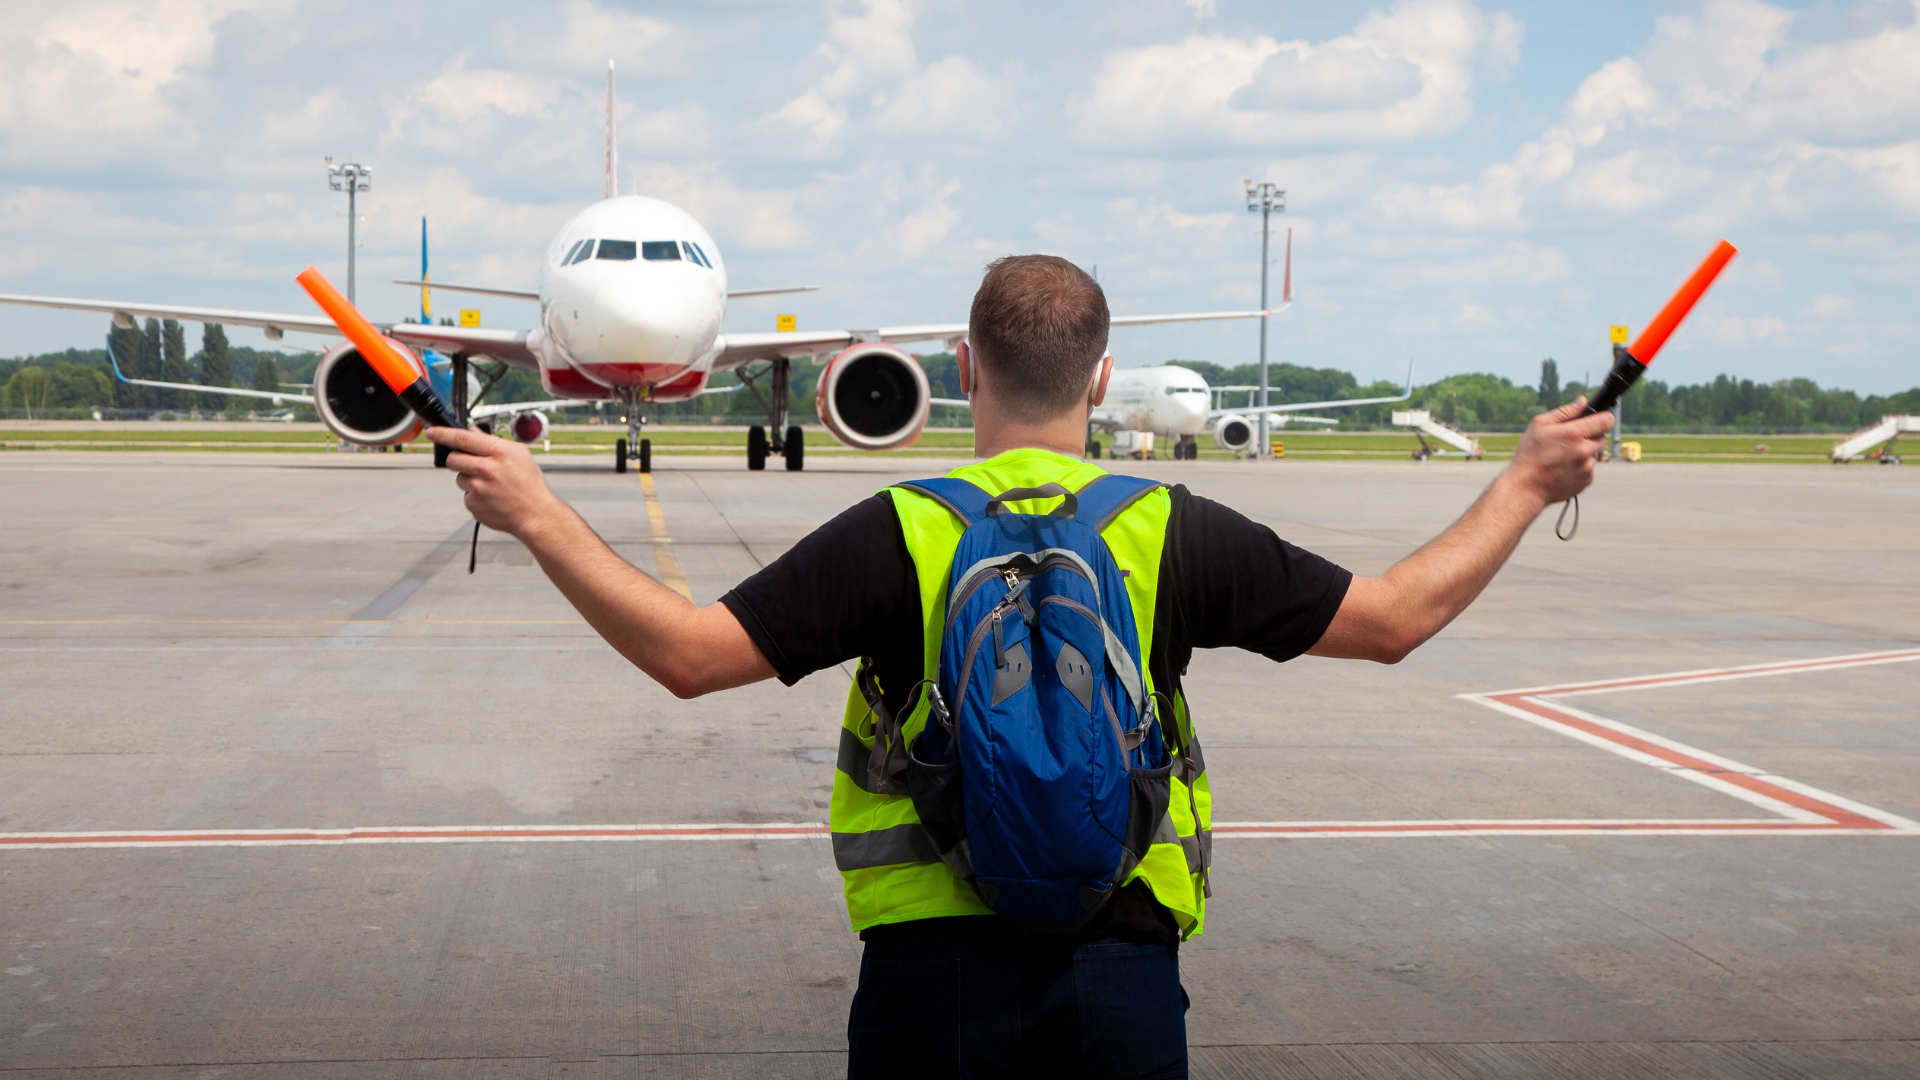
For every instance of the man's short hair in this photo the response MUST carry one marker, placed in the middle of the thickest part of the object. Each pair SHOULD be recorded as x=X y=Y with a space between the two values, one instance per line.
x=1039 y=324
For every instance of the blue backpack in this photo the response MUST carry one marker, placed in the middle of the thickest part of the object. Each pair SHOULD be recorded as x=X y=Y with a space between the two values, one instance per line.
x=1042 y=774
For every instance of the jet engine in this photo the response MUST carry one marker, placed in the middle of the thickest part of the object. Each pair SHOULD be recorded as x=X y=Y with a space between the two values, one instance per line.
x=1233 y=433
x=356 y=405
x=873 y=397
x=529 y=427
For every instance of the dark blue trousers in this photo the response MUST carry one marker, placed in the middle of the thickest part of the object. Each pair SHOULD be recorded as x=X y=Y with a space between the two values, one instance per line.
x=1005 y=1004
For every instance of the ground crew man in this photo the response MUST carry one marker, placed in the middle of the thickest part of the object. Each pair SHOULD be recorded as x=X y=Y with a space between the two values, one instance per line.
x=947 y=988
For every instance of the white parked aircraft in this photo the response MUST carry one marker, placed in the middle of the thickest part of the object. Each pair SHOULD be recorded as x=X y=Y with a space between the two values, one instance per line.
x=632 y=297
x=1176 y=403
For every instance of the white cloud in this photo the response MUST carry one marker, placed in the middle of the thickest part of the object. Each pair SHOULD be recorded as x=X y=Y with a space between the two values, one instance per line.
x=590 y=35
x=82 y=82
x=870 y=60
x=1403 y=74
x=760 y=219
x=1475 y=317
x=862 y=51
x=920 y=231
x=949 y=96
x=1516 y=263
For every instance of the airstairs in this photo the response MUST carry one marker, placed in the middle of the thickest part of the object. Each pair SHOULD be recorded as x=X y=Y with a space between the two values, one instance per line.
x=1423 y=425
x=1887 y=430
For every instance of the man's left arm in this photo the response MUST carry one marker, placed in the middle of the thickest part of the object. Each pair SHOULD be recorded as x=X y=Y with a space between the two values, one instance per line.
x=1384 y=618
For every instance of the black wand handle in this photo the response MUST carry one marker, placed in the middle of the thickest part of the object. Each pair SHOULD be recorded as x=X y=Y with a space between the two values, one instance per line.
x=421 y=399
x=1626 y=371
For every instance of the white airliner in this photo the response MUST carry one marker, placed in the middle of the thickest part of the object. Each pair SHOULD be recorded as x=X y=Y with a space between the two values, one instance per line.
x=632 y=295
x=1176 y=403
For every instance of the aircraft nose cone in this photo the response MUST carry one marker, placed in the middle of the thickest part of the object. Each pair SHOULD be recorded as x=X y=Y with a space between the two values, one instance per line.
x=644 y=324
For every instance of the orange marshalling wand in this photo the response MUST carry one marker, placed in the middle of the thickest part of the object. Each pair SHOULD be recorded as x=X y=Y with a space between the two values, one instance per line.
x=394 y=369
x=1630 y=363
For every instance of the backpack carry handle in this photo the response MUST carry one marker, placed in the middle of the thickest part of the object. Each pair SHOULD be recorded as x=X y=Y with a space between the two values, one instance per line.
x=1069 y=502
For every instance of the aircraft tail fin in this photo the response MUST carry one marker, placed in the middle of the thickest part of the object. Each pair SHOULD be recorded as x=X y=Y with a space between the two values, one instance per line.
x=613 y=142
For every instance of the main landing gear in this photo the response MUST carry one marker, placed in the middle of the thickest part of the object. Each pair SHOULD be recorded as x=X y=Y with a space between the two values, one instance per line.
x=632 y=448
x=787 y=440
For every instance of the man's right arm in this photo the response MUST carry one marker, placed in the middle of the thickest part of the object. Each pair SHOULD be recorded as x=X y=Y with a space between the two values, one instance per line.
x=1384 y=618
x=689 y=650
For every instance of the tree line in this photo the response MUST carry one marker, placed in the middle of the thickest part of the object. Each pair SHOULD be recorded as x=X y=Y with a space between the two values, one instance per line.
x=157 y=350
x=1483 y=401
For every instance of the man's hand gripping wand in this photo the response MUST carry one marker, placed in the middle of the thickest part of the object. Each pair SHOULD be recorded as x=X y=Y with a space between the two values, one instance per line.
x=399 y=372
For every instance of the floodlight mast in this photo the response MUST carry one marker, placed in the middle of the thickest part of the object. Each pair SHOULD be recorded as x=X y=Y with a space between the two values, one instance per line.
x=1264 y=198
x=351 y=178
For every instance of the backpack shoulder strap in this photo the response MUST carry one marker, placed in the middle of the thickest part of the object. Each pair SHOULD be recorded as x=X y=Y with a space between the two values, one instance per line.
x=967 y=501
x=1103 y=499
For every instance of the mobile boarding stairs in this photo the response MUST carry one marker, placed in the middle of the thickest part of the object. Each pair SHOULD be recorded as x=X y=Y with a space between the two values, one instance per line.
x=1888 y=430
x=1423 y=425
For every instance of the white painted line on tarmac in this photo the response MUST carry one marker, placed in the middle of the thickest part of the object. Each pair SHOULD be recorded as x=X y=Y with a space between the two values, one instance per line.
x=1798 y=809
x=1803 y=807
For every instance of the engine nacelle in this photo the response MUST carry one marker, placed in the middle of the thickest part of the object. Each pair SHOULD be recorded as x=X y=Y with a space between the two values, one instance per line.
x=1235 y=433
x=356 y=404
x=874 y=397
x=529 y=427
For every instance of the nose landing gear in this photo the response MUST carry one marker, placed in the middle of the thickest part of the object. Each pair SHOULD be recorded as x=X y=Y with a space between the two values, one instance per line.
x=632 y=448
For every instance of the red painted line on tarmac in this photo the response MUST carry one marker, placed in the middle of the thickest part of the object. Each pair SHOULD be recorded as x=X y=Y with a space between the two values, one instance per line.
x=1839 y=818
x=402 y=835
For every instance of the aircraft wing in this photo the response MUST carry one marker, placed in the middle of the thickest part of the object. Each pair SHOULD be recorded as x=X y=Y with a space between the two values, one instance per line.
x=123 y=314
x=1303 y=406
x=277 y=397
x=738 y=349
x=507 y=346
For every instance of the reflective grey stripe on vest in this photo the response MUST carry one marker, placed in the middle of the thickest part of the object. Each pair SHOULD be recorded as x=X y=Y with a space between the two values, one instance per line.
x=854 y=756
x=883 y=847
x=1199 y=849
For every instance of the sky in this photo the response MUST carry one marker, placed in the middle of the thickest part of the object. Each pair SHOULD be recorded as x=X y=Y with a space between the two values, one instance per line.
x=1470 y=187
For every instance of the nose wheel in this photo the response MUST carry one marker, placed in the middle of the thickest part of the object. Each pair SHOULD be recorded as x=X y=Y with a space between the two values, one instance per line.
x=633 y=448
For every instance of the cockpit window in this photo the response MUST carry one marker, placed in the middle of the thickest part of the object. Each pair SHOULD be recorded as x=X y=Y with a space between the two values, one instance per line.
x=695 y=253
x=583 y=251
x=616 y=249
x=1171 y=390
x=571 y=252
x=658 y=251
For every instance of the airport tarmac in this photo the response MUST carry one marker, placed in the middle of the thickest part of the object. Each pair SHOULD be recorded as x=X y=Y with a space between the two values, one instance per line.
x=311 y=801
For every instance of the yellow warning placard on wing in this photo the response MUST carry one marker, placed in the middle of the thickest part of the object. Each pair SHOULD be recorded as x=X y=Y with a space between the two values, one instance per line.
x=469 y=318
x=786 y=324
x=1618 y=335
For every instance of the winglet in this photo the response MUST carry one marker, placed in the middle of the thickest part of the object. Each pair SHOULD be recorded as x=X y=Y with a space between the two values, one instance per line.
x=116 y=363
x=613 y=142
x=1409 y=392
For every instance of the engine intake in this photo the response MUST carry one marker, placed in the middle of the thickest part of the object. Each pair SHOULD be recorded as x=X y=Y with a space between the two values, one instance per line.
x=529 y=427
x=873 y=397
x=356 y=404
x=1233 y=433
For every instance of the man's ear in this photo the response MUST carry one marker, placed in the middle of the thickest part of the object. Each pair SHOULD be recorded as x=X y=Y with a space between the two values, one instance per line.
x=1101 y=374
x=963 y=353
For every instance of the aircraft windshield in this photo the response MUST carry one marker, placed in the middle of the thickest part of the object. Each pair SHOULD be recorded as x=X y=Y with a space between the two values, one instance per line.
x=616 y=249
x=657 y=251
x=695 y=253
x=582 y=250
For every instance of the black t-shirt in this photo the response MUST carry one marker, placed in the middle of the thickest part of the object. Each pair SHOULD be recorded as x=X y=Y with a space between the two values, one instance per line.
x=849 y=590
